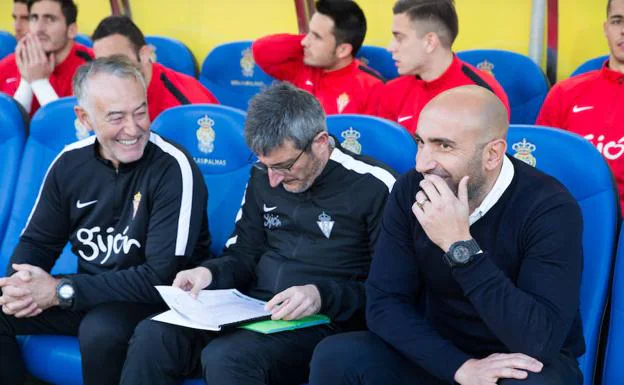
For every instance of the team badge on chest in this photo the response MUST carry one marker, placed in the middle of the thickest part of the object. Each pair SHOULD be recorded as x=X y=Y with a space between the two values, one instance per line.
x=342 y=102
x=326 y=224
x=135 y=203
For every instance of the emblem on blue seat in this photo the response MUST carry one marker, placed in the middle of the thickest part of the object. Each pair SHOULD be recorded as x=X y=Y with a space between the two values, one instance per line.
x=350 y=142
x=524 y=151
x=247 y=63
x=486 y=66
x=206 y=135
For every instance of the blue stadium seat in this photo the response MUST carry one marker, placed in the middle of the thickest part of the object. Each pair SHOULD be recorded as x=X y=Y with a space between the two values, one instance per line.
x=379 y=138
x=379 y=59
x=231 y=74
x=56 y=359
x=12 y=138
x=523 y=81
x=613 y=371
x=174 y=54
x=590 y=65
x=52 y=127
x=83 y=39
x=213 y=135
x=567 y=157
x=7 y=44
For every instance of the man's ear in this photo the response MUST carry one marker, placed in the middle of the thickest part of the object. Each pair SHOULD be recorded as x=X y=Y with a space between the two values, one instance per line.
x=147 y=54
x=344 y=50
x=493 y=154
x=431 y=41
x=72 y=31
x=83 y=117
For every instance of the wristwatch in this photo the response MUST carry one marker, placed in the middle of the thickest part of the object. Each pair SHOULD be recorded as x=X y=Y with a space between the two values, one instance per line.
x=461 y=253
x=65 y=293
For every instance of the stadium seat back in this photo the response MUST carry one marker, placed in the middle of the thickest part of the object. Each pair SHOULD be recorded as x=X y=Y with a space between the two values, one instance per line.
x=231 y=74
x=83 y=39
x=213 y=135
x=12 y=138
x=378 y=138
x=174 y=54
x=379 y=59
x=524 y=82
x=590 y=65
x=52 y=127
x=567 y=157
x=7 y=44
x=613 y=373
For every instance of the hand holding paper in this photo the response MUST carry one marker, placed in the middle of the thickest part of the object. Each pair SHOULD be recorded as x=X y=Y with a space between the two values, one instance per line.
x=294 y=303
x=193 y=280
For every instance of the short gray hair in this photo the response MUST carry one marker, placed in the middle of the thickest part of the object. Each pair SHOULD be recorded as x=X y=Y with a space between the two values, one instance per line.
x=117 y=65
x=283 y=112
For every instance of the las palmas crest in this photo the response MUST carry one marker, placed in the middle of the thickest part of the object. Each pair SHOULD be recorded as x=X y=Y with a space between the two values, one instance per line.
x=350 y=142
x=247 y=63
x=486 y=66
x=206 y=135
x=524 y=151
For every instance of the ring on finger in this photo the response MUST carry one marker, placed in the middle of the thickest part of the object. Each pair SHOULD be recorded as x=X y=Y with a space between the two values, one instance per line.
x=421 y=202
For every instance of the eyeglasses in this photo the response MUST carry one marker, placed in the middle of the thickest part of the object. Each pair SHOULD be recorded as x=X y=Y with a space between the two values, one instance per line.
x=286 y=168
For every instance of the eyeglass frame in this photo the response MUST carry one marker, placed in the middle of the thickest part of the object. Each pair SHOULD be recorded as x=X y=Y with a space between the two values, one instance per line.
x=284 y=169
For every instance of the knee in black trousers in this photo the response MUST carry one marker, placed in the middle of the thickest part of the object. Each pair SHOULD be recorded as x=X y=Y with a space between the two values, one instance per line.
x=103 y=335
x=363 y=358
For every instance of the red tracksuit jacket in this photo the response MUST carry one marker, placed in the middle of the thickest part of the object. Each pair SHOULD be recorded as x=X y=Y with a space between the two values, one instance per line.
x=591 y=105
x=344 y=91
x=60 y=79
x=402 y=99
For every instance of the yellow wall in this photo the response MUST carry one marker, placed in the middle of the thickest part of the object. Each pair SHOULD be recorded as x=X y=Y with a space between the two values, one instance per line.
x=202 y=24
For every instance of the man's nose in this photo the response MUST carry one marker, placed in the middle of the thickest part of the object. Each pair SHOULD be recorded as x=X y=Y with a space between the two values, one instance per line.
x=275 y=178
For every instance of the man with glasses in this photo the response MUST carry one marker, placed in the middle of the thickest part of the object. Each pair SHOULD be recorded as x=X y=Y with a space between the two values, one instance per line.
x=303 y=241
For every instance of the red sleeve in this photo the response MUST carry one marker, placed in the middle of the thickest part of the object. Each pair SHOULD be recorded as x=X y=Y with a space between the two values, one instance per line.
x=374 y=100
x=280 y=56
x=386 y=99
x=550 y=114
x=9 y=75
x=498 y=90
x=197 y=93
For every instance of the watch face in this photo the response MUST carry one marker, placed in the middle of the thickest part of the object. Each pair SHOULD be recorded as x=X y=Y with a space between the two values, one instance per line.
x=461 y=254
x=66 y=291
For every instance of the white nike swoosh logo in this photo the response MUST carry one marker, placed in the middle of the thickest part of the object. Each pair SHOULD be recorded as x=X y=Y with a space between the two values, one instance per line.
x=404 y=118
x=11 y=80
x=577 y=109
x=267 y=209
x=81 y=205
x=309 y=83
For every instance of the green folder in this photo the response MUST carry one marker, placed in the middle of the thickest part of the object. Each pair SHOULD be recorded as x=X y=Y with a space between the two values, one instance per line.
x=270 y=326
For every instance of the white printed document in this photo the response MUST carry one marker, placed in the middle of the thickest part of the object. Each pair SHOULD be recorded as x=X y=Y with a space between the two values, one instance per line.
x=212 y=309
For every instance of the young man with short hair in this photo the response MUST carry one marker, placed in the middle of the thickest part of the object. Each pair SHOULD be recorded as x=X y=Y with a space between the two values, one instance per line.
x=423 y=36
x=323 y=62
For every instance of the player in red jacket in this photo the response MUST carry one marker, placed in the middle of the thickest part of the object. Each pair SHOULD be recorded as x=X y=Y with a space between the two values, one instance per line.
x=45 y=59
x=118 y=35
x=323 y=61
x=422 y=50
x=591 y=104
